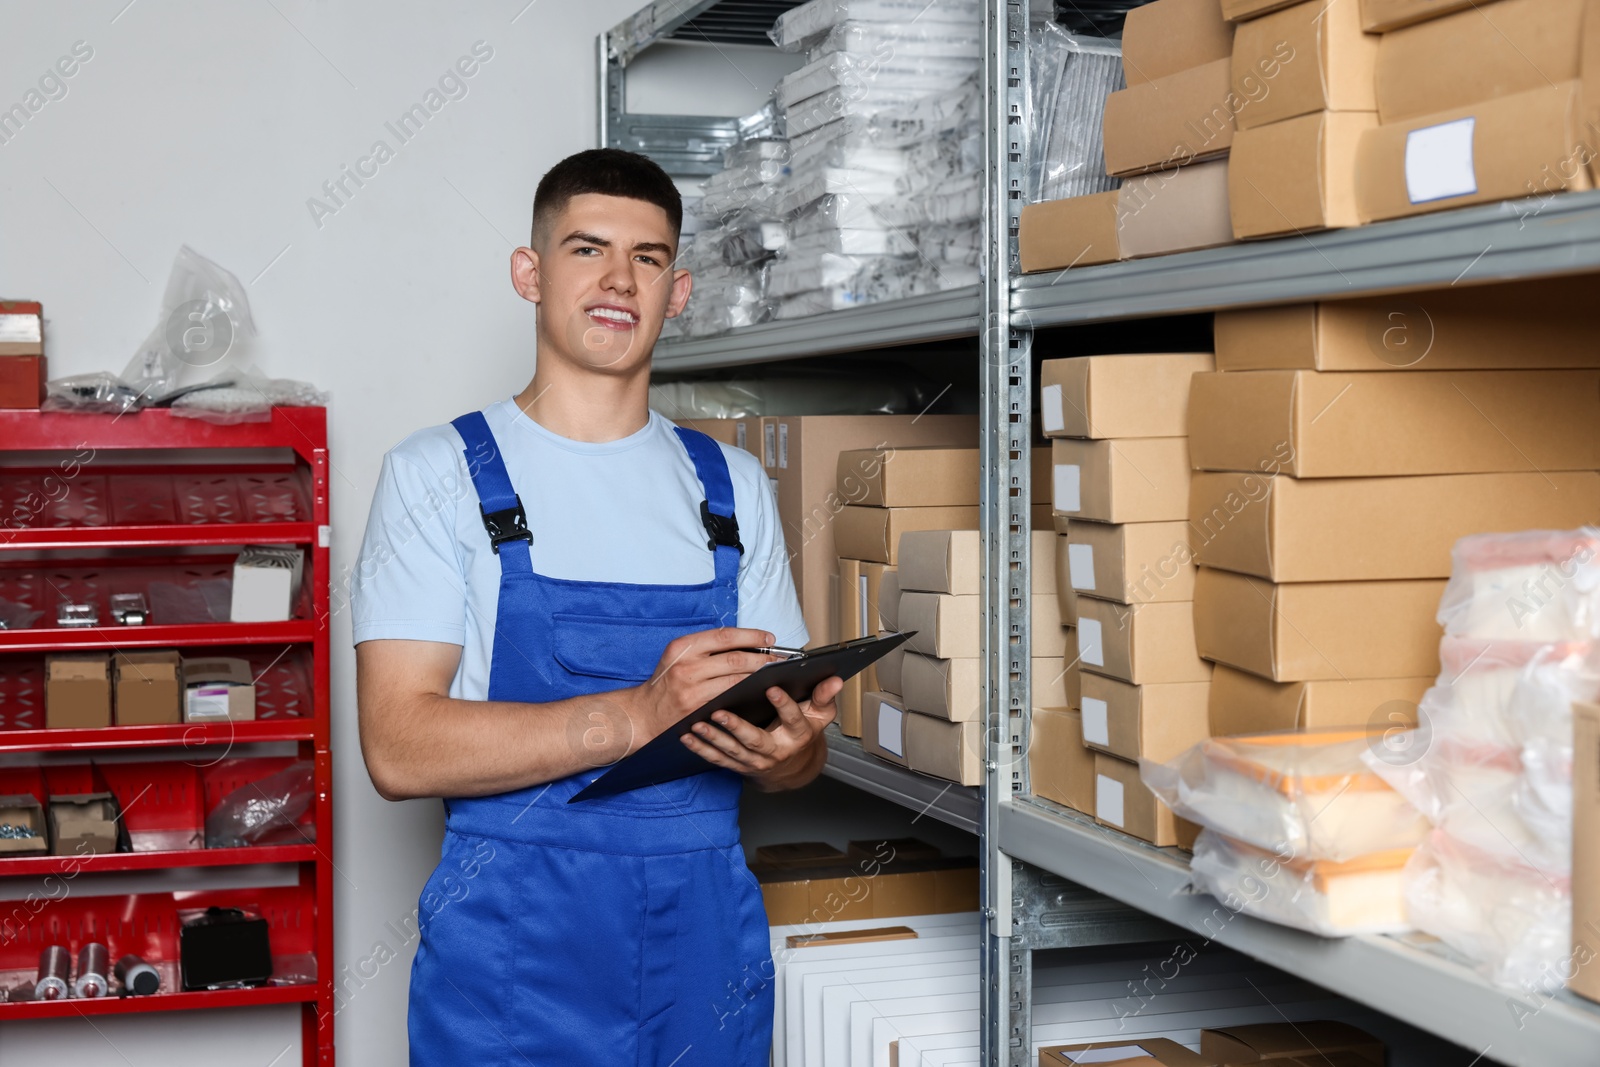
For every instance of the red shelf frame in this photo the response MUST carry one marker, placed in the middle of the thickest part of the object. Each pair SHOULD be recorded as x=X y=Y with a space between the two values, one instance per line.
x=65 y=445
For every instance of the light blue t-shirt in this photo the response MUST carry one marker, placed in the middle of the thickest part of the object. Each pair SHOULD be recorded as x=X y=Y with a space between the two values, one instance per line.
x=618 y=511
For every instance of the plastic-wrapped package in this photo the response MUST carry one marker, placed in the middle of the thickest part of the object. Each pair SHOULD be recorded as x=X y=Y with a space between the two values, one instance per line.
x=1537 y=585
x=960 y=199
x=245 y=398
x=802 y=26
x=1360 y=896
x=857 y=74
x=1507 y=914
x=918 y=39
x=864 y=102
x=264 y=812
x=853 y=242
x=1305 y=795
x=796 y=274
x=794 y=391
x=1071 y=79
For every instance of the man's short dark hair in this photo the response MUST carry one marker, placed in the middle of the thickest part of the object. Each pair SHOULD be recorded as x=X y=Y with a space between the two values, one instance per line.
x=609 y=172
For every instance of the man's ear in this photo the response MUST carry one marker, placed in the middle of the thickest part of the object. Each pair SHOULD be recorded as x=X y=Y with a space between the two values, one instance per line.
x=681 y=285
x=525 y=274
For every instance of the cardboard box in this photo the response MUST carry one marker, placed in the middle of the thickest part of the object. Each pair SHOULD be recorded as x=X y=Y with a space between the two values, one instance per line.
x=1174 y=210
x=1079 y=231
x=1048 y=677
x=1527 y=144
x=1060 y=767
x=22 y=382
x=883 y=731
x=1072 y=677
x=1134 y=1052
x=867 y=890
x=1275 y=1041
x=801 y=453
x=21 y=328
x=1297 y=175
x=895 y=849
x=1585 y=850
x=1123 y=801
x=946 y=688
x=952 y=626
x=1378 y=16
x=1172 y=121
x=1307 y=57
x=851 y=937
x=1482 y=327
x=1136 y=479
x=266 y=583
x=949 y=561
x=1169 y=36
x=1118 y=396
x=952 y=751
x=799 y=854
x=77 y=691
x=861 y=614
x=1364 y=529
x=84 y=824
x=848 y=705
x=1139 y=643
x=1131 y=563
x=1242 y=703
x=218 y=689
x=1158 y=720
x=740 y=433
x=1497 y=50
x=24 y=809
x=1318 y=630
x=1335 y=425
x=149 y=688
x=873 y=534
x=920 y=477
x=1243 y=10
x=891 y=669
x=889 y=599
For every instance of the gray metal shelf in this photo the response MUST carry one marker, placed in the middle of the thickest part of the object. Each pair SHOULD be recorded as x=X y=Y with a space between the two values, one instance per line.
x=848 y=762
x=931 y=317
x=1410 y=979
x=1496 y=242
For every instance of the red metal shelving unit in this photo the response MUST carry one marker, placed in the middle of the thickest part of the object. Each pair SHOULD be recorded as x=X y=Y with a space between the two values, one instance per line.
x=89 y=508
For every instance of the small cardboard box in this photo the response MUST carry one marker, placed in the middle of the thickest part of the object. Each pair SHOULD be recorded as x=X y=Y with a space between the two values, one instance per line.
x=1062 y=769
x=266 y=583
x=1136 y=479
x=1242 y=703
x=1123 y=801
x=952 y=626
x=149 y=688
x=1586 y=850
x=1529 y=144
x=77 y=691
x=952 y=751
x=1072 y=677
x=891 y=668
x=860 y=613
x=24 y=810
x=1139 y=643
x=1244 y=10
x=21 y=328
x=1131 y=563
x=84 y=824
x=1174 y=210
x=949 y=561
x=1275 y=1041
x=1310 y=56
x=1169 y=36
x=218 y=689
x=22 y=381
x=1336 y=425
x=873 y=534
x=1365 y=529
x=1312 y=631
x=1172 y=121
x=848 y=706
x=1297 y=175
x=1079 y=231
x=743 y=433
x=945 y=688
x=1048 y=676
x=1379 y=16
x=1158 y=720
x=866 y=889
x=1134 y=1052
x=883 y=731
x=1118 y=396
x=913 y=477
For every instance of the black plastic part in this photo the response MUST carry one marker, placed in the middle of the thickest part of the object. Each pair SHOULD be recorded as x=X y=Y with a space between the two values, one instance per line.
x=225 y=947
x=724 y=529
x=507 y=524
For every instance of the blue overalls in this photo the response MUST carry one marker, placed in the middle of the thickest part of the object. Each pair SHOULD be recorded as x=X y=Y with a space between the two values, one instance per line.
x=626 y=930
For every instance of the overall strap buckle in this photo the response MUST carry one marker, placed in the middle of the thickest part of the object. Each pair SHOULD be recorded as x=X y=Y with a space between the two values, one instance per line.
x=507 y=524
x=724 y=529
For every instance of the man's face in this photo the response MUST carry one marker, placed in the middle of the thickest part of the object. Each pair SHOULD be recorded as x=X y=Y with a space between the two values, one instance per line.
x=604 y=281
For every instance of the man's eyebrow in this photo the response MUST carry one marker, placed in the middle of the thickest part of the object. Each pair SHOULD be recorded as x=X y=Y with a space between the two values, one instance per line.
x=652 y=246
x=579 y=237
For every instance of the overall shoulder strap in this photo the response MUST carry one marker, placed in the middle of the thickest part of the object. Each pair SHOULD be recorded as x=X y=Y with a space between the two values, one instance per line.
x=716 y=511
x=501 y=508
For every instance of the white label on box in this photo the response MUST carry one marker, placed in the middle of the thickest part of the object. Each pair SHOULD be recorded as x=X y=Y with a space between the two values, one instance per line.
x=1090 y=648
x=1096 y=727
x=890 y=738
x=20 y=328
x=1439 y=161
x=206 y=703
x=1050 y=410
x=1108 y=800
x=862 y=622
x=783 y=445
x=1080 y=566
x=1066 y=488
x=739 y=436
x=769 y=445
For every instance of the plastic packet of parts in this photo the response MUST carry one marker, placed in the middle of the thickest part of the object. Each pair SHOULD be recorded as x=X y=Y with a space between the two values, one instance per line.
x=799 y=27
x=855 y=73
x=1513 y=919
x=1307 y=794
x=930 y=40
x=1071 y=79
x=243 y=397
x=1536 y=585
x=1365 y=895
x=264 y=812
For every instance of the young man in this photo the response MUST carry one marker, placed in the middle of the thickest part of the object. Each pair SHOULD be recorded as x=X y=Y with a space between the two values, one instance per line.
x=545 y=585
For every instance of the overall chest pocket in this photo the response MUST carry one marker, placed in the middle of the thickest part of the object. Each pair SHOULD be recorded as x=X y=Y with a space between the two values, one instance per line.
x=621 y=649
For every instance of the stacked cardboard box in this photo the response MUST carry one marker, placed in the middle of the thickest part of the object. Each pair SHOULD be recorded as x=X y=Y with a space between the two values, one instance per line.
x=22 y=363
x=1126 y=576
x=740 y=433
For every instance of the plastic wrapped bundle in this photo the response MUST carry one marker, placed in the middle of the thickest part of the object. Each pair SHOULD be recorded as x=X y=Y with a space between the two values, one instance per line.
x=919 y=40
x=1071 y=78
x=1537 y=585
x=803 y=26
x=855 y=74
x=751 y=179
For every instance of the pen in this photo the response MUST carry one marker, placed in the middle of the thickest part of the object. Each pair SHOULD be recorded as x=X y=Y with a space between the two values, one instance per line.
x=776 y=650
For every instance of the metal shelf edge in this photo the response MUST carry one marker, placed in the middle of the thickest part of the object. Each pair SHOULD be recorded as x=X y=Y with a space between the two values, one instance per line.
x=954 y=804
x=174 y=1001
x=18 y=866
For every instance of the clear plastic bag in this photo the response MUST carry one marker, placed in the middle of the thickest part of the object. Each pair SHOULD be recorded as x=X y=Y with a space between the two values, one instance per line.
x=1071 y=79
x=1536 y=585
x=801 y=27
x=932 y=40
x=857 y=74
x=264 y=812
x=245 y=398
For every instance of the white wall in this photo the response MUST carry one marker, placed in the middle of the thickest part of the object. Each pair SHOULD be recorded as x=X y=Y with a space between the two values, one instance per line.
x=212 y=124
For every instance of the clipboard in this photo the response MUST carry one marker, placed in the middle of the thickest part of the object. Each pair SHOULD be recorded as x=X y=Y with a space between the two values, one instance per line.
x=665 y=759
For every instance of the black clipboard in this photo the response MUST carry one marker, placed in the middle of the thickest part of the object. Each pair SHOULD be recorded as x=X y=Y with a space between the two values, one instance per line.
x=665 y=759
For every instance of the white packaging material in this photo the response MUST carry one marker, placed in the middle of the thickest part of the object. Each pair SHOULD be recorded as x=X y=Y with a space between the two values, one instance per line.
x=875 y=242
x=802 y=26
x=857 y=74
x=1071 y=78
x=1536 y=585
x=932 y=40
x=815 y=111
x=266 y=583
x=1306 y=796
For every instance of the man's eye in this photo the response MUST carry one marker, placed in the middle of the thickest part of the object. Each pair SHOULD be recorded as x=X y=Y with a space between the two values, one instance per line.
x=649 y=260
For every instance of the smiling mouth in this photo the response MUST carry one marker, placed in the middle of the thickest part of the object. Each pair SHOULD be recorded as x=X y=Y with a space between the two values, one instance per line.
x=613 y=318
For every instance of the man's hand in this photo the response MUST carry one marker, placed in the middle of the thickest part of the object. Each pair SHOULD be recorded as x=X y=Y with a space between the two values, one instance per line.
x=694 y=668
x=787 y=754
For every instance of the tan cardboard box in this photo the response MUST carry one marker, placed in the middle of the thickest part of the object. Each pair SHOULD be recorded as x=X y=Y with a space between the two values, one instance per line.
x=1242 y=703
x=952 y=751
x=1169 y=36
x=1318 y=630
x=218 y=688
x=860 y=611
x=1131 y=563
x=1140 y=1052
x=1176 y=210
x=946 y=688
x=890 y=670
x=951 y=626
x=1363 y=529
x=1136 y=479
x=910 y=477
x=1158 y=720
x=949 y=561
x=1586 y=850
x=1171 y=121
x=83 y=824
x=740 y=433
x=1243 y=10
x=1528 y=144
x=1323 y=61
x=1079 y=231
x=77 y=691
x=1334 y=425
x=1378 y=16
x=883 y=730
x=889 y=599
x=1049 y=680
x=1482 y=327
x=1139 y=643
x=1297 y=175
x=1123 y=801
x=849 y=707
x=873 y=534
x=1275 y=1041
x=149 y=688
x=1497 y=50
x=1118 y=396
x=848 y=624
x=24 y=809
x=1062 y=770
x=867 y=890
x=1073 y=677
